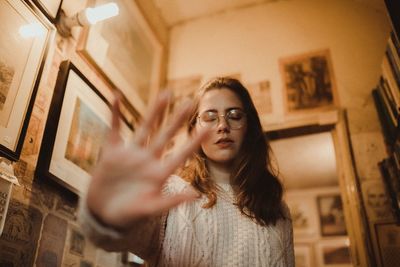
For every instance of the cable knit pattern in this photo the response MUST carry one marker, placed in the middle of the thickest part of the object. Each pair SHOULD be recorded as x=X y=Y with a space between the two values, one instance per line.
x=219 y=236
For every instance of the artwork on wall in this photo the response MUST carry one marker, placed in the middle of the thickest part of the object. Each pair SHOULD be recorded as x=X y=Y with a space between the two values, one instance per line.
x=51 y=8
x=76 y=128
x=261 y=95
x=125 y=50
x=303 y=210
x=303 y=255
x=181 y=89
x=333 y=253
x=388 y=241
x=24 y=41
x=376 y=200
x=330 y=208
x=309 y=82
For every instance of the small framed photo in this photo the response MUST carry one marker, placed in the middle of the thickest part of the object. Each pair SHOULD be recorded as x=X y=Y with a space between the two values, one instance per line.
x=76 y=129
x=303 y=210
x=388 y=240
x=303 y=255
x=309 y=83
x=50 y=8
x=333 y=253
x=25 y=38
x=126 y=52
x=331 y=215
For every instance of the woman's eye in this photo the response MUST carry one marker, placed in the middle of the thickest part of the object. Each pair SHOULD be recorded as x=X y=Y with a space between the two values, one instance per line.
x=235 y=115
x=209 y=116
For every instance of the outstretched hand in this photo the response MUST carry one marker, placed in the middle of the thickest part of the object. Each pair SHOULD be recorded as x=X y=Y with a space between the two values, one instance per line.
x=127 y=182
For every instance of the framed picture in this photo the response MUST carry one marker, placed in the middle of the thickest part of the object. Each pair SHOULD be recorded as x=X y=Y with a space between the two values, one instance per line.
x=260 y=93
x=51 y=8
x=303 y=255
x=308 y=81
x=76 y=128
x=333 y=253
x=331 y=215
x=376 y=200
x=303 y=210
x=125 y=50
x=388 y=240
x=24 y=41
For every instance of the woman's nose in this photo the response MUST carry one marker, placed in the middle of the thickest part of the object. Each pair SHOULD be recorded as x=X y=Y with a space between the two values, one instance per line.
x=223 y=124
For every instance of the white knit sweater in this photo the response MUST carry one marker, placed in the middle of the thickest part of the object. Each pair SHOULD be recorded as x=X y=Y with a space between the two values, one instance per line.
x=193 y=236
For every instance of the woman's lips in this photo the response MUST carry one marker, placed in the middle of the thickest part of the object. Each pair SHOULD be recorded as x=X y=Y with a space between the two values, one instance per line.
x=224 y=142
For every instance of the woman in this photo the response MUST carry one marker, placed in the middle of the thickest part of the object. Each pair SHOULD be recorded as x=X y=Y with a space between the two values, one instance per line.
x=225 y=208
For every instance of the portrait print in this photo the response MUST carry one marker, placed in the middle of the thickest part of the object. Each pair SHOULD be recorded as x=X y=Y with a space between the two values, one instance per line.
x=388 y=237
x=331 y=215
x=376 y=200
x=308 y=82
x=333 y=253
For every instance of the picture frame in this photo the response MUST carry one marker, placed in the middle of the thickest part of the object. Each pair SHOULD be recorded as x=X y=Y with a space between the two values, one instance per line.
x=50 y=8
x=308 y=82
x=331 y=215
x=76 y=128
x=126 y=52
x=23 y=53
x=333 y=253
x=303 y=254
x=303 y=209
x=388 y=242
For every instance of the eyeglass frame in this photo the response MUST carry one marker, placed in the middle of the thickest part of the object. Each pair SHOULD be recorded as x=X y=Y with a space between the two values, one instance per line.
x=224 y=116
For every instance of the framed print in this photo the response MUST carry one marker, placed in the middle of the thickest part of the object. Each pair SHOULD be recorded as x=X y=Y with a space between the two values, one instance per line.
x=333 y=253
x=24 y=41
x=125 y=50
x=51 y=8
x=303 y=255
x=331 y=215
x=308 y=81
x=76 y=128
x=376 y=200
x=303 y=210
x=388 y=239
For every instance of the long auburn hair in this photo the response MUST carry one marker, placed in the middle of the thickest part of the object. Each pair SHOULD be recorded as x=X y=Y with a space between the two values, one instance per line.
x=257 y=189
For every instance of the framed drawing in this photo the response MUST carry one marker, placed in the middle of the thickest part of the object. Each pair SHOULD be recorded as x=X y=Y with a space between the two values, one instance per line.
x=125 y=50
x=388 y=239
x=331 y=215
x=333 y=253
x=51 y=8
x=308 y=81
x=303 y=255
x=24 y=41
x=76 y=128
x=304 y=214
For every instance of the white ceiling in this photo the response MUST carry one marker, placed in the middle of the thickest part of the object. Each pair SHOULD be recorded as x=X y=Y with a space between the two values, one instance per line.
x=179 y=11
x=306 y=161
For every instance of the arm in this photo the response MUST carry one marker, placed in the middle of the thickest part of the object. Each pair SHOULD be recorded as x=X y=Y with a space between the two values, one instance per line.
x=288 y=238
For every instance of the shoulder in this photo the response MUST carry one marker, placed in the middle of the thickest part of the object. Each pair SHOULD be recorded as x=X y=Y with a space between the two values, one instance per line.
x=175 y=184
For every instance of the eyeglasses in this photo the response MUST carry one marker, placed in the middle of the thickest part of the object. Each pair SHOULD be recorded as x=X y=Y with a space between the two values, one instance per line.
x=235 y=118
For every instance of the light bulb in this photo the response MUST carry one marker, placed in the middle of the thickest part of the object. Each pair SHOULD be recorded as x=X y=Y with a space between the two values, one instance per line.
x=102 y=12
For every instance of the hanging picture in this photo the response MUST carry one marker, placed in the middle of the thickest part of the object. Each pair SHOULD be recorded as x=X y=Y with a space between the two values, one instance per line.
x=333 y=253
x=303 y=255
x=308 y=81
x=50 y=8
x=331 y=215
x=76 y=129
x=388 y=239
x=125 y=50
x=24 y=41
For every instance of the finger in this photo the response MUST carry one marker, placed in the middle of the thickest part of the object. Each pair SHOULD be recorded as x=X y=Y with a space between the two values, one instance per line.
x=164 y=137
x=156 y=109
x=114 y=136
x=173 y=162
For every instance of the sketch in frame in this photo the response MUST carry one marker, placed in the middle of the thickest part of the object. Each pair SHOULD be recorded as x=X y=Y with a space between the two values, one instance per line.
x=376 y=200
x=333 y=253
x=330 y=208
x=22 y=58
x=125 y=50
x=50 y=8
x=388 y=239
x=303 y=255
x=260 y=93
x=76 y=129
x=309 y=82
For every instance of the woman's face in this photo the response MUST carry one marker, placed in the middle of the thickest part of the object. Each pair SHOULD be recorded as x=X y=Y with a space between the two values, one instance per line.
x=227 y=132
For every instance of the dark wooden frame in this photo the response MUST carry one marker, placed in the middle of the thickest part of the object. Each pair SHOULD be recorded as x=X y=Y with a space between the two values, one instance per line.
x=52 y=17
